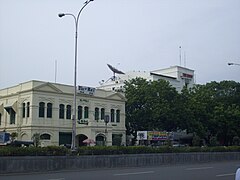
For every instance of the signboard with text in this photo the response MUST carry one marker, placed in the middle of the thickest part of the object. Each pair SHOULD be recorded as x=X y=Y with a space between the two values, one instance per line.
x=142 y=135
x=157 y=135
x=86 y=90
x=4 y=137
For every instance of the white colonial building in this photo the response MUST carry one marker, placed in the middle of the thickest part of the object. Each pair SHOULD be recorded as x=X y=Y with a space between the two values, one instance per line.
x=177 y=76
x=46 y=108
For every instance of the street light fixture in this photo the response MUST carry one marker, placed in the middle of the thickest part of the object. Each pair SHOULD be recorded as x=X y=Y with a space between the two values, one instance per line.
x=232 y=64
x=73 y=145
x=106 y=120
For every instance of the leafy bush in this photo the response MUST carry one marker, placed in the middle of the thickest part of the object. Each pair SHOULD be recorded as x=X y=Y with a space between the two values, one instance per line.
x=110 y=150
x=33 y=151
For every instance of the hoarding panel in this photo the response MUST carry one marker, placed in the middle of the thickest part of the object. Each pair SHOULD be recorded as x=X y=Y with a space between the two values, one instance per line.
x=157 y=135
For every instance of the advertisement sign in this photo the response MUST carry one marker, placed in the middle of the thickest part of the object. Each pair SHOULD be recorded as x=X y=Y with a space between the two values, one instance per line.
x=86 y=90
x=157 y=135
x=4 y=137
x=142 y=135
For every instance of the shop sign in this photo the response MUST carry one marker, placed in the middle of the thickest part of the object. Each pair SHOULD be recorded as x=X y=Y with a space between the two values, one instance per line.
x=157 y=135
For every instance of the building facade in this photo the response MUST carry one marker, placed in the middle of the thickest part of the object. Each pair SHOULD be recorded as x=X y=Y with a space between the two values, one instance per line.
x=44 y=108
x=177 y=76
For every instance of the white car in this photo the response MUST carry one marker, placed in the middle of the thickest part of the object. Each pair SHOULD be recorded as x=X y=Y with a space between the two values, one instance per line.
x=237 y=174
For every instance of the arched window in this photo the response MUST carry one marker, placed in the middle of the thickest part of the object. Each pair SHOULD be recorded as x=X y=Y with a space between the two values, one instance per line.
x=49 y=110
x=23 y=110
x=96 y=113
x=12 y=116
x=100 y=140
x=102 y=113
x=45 y=137
x=69 y=112
x=86 y=112
x=41 y=109
x=28 y=109
x=112 y=115
x=118 y=116
x=61 y=111
x=79 y=112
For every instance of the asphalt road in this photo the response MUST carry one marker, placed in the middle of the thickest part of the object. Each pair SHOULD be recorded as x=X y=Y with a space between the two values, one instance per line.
x=204 y=171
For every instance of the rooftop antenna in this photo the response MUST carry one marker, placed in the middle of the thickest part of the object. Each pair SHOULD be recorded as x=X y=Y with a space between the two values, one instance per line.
x=118 y=65
x=115 y=71
x=195 y=79
x=184 y=56
x=180 y=55
x=55 y=71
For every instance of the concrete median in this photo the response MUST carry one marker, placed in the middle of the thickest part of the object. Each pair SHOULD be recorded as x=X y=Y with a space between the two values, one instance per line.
x=26 y=164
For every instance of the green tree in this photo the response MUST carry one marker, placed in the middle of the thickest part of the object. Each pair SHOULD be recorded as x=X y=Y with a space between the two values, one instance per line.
x=163 y=101
x=216 y=109
x=236 y=141
x=150 y=106
x=210 y=110
x=228 y=120
x=36 y=139
x=138 y=113
x=117 y=139
x=186 y=112
x=196 y=141
x=13 y=136
x=213 y=141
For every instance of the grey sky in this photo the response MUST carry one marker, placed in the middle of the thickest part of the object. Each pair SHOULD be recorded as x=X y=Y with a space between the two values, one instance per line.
x=128 y=34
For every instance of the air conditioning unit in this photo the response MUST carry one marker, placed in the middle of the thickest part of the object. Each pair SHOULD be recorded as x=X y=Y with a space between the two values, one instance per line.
x=83 y=121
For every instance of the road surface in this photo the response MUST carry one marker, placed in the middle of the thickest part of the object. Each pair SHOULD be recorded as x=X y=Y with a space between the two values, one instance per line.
x=204 y=171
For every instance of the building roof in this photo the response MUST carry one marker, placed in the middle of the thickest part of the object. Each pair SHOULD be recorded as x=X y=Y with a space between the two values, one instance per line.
x=164 y=76
x=56 y=88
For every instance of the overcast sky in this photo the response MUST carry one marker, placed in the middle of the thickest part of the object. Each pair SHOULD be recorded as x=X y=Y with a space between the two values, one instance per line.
x=128 y=34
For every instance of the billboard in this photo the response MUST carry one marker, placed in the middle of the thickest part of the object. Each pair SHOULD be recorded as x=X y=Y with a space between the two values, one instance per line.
x=4 y=137
x=152 y=135
x=157 y=135
x=142 y=135
x=86 y=90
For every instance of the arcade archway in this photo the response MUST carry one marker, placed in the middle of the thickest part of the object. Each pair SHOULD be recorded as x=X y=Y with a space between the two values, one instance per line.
x=100 y=140
x=80 y=138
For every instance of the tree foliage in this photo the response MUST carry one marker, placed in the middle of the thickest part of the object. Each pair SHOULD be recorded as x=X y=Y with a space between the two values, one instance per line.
x=36 y=139
x=210 y=111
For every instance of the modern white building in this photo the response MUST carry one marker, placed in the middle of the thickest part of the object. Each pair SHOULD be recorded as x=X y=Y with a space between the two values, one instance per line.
x=46 y=108
x=177 y=76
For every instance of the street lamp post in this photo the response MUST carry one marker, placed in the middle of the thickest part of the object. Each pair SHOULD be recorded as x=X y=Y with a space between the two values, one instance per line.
x=232 y=64
x=73 y=145
x=106 y=120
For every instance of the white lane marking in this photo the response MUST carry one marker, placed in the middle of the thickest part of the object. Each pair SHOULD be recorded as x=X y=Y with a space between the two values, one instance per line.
x=198 y=168
x=222 y=175
x=135 y=173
